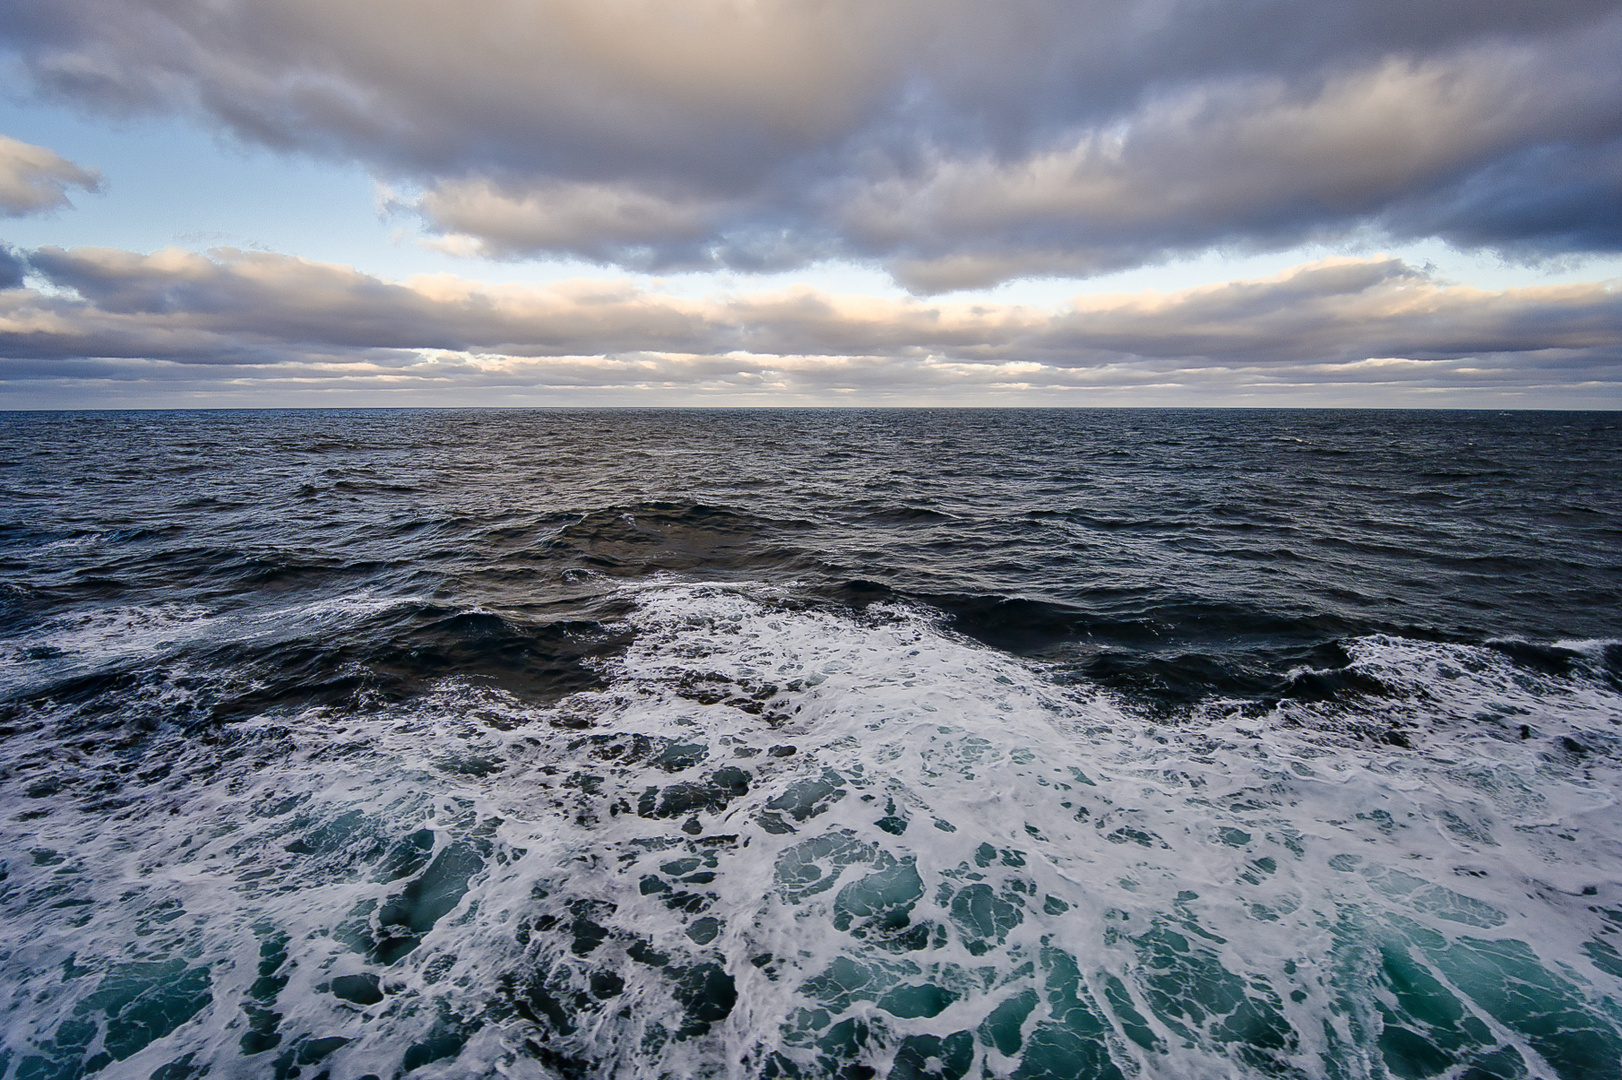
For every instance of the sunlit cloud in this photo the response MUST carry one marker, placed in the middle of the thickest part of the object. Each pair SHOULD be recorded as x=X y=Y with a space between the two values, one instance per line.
x=612 y=223
x=35 y=180
x=254 y=323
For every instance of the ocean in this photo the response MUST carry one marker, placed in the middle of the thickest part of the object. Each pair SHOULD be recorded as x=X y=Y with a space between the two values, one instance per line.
x=811 y=744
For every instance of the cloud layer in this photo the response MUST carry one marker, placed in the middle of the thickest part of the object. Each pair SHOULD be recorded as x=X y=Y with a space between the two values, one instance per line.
x=257 y=327
x=957 y=143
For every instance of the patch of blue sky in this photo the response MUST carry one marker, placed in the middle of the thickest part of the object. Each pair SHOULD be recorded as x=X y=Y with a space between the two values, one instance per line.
x=1482 y=269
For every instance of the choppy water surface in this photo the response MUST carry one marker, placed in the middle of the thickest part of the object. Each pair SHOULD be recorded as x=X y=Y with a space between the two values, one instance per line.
x=824 y=744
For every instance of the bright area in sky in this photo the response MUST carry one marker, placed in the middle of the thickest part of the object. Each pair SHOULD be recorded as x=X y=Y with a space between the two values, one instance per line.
x=933 y=202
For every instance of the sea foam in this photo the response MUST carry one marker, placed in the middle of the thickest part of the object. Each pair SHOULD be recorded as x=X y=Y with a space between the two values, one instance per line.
x=789 y=841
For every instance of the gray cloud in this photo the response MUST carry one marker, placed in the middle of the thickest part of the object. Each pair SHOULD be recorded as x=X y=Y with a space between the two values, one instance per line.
x=12 y=268
x=34 y=180
x=1343 y=331
x=1258 y=163
x=604 y=222
x=958 y=143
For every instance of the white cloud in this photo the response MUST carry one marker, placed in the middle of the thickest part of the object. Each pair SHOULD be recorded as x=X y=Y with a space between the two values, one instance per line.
x=34 y=180
x=603 y=222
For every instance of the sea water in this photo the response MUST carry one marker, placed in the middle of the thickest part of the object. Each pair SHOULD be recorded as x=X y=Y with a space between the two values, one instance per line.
x=1022 y=744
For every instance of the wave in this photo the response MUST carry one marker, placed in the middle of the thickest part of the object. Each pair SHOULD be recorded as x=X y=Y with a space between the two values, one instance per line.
x=774 y=839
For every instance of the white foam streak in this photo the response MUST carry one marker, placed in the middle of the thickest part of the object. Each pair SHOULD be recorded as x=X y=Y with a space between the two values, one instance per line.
x=81 y=642
x=1222 y=895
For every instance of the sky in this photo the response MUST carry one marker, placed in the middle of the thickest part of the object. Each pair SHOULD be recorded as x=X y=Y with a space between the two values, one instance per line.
x=1346 y=203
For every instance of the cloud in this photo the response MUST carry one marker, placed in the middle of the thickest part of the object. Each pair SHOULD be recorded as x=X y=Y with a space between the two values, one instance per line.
x=12 y=268
x=1260 y=163
x=956 y=142
x=34 y=180
x=614 y=223
x=256 y=324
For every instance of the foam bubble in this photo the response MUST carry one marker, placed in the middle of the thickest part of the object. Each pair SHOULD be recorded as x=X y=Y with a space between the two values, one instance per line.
x=791 y=842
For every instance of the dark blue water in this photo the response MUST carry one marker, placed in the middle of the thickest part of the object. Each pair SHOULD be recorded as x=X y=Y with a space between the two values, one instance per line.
x=811 y=744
